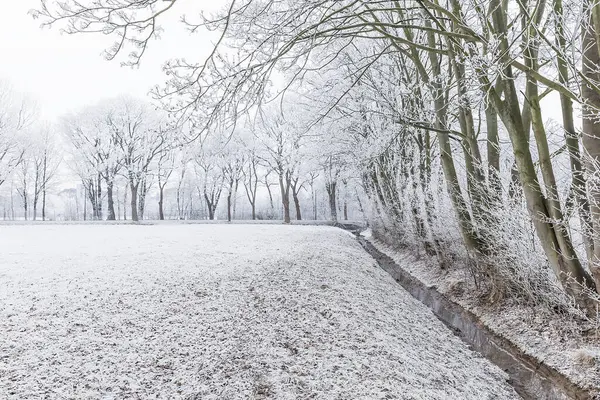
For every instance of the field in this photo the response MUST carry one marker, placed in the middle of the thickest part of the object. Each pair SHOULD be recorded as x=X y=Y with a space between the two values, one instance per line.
x=218 y=312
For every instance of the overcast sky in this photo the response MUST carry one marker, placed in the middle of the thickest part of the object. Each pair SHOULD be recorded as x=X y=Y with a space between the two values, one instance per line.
x=65 y=72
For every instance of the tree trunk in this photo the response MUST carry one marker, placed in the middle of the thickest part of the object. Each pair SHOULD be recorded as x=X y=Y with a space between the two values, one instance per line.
x=468 y=232
x=210 y=206
x=142 y=192
x=116 y=194
x=161 y=214
x=493 y=152
x=297 y=205
x=44 y=204
x=331 y=192
x=229 y=205
x=270 y=197
x=591 y=133
x=134 y=201
x=99 y=199
x=475 y=175
x=12 y=203
x=25 y=205
x=578 y=179
x=125 y=203
x=180 y=208
x=234 y=202
x=286 y=210
x=284 y=185
x=111 y=202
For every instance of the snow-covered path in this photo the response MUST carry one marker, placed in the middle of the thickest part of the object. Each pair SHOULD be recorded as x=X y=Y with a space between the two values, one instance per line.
x=218 y=312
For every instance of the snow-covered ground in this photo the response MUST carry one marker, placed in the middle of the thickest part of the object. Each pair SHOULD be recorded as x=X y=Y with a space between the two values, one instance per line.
x=218 y=312
x=570 y=347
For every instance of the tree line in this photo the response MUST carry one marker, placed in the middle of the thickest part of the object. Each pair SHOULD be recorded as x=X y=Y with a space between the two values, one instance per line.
x=471 y=122
x=106 y=160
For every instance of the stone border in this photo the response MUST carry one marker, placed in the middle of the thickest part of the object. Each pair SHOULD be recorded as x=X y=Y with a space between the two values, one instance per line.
x=531 y=378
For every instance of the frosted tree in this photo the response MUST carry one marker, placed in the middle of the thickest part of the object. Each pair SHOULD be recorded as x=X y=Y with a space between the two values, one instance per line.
x=165 y=166
x=208 y=163
x=250 y=171
x=17 y=115
x=437 y=94
x=233 y=162
x=141 y=135
x=45 y=159
x=93 y=155
x=280 y=140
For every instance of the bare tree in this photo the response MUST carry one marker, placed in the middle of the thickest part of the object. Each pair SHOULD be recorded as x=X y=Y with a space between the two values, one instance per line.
x=251 y=180
x=23 y=187
x=45 y=161
x=417 y=86
x=209 y=168
x=165 y=168
x=17 y=115
x=141 y=135
x=233 y=169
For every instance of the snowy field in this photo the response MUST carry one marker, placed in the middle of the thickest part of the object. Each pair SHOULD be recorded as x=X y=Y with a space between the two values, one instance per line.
x=218 y=312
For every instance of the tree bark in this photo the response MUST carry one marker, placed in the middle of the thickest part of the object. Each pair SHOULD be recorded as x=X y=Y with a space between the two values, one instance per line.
x=493 y=151
x=331 y=193
x=125 y=203
x=571 y=138
x=99 y=199
x=234 y=200
x=134 y=201
x=295 y=192
x=111 y=202
x=297 y=205
x=44 y=204
x=229 y=205
x=468 y=232
x=591 y=132
x=44 y=184
x=284 y=185
x=270 y=196
x=142 y=192
x=161 y=214
x=210 y=206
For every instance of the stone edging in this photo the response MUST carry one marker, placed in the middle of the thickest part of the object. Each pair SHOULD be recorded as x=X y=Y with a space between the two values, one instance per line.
x=530 y=378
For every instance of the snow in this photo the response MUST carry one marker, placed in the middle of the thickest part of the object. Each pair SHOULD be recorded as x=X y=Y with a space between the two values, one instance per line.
x=218 y=312
x=557 y=340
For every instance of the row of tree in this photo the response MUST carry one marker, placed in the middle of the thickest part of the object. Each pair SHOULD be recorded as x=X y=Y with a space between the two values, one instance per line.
x=440 y=106
x=129 y=138
x=128 y=146
x=29 y=155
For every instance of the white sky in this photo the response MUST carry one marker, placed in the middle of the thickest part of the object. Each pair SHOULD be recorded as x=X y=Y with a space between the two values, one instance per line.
x=66 y=72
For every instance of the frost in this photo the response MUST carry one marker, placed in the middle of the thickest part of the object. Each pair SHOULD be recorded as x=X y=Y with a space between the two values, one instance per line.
x=558 y=340
x=218 y=312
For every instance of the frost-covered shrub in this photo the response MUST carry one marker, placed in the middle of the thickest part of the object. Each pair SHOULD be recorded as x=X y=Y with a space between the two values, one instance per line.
x=512 y=266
